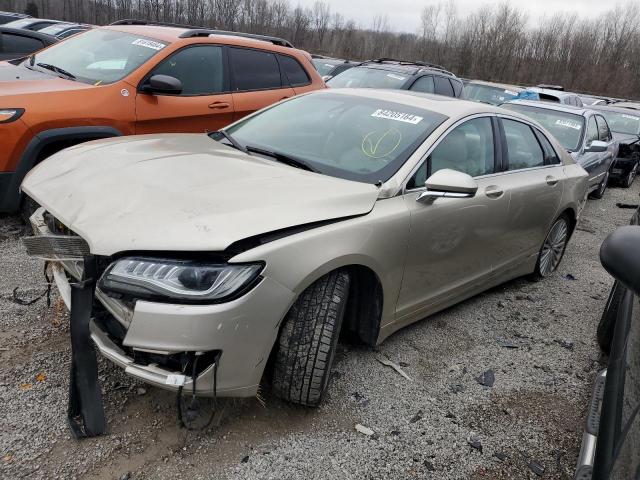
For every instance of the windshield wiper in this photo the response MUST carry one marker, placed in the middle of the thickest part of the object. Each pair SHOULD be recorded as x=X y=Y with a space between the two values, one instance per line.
x=283 y=158
x=58 y=70
x=234 y=143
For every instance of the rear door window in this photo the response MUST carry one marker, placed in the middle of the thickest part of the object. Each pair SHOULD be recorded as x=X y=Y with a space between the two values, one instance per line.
x=254 y=70
x=10 y=43
x=523 y=148
x=443 y=86
x=604 y=134
x=294 y=73
x=457 y=87
x=199 y=68
x=424 y=84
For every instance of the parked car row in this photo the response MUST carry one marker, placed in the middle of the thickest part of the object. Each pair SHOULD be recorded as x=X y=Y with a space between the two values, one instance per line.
x=212 y=263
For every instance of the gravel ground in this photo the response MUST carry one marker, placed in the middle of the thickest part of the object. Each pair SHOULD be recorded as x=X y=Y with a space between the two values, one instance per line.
x=535 y=339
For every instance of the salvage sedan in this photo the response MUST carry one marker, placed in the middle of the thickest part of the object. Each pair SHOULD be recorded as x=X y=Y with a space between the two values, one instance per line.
x=251 y=250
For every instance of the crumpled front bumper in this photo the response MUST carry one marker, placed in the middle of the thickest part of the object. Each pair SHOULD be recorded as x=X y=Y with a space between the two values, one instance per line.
x=243 y=330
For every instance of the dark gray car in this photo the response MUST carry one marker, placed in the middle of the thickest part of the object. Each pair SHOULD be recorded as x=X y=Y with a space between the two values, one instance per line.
x=583 y=132
x=16 y=43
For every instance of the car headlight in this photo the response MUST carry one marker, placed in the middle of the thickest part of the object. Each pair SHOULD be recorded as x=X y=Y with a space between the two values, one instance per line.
x=8 y=115
x=177 y=280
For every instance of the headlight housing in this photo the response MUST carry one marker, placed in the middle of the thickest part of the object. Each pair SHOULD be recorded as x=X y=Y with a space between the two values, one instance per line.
x=8 y=115
x=181 y=281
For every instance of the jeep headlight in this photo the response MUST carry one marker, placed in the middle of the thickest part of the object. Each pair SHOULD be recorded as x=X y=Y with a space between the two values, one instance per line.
x=8 y=115
x=178 y=280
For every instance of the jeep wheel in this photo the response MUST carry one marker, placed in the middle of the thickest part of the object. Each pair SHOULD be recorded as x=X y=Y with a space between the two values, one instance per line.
x=628 y=181
x=308 y=340
x=28 y=206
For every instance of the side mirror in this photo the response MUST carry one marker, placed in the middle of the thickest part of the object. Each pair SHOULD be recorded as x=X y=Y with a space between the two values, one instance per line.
x=620 y=257
x=163 y=84
x=596 y=147
x=450 y=184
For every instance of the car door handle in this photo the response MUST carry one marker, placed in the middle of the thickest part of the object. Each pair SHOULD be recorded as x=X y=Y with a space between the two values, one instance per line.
x=493 y=191
x=552 y=181
x=219 y=105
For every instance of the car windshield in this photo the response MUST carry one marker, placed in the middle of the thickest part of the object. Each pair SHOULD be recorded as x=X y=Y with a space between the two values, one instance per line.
x=566 y=127
x=345 y=136
x=99 y=56
x=622 y=122
x=325 y=65
x=364 y=77
x=488 y=94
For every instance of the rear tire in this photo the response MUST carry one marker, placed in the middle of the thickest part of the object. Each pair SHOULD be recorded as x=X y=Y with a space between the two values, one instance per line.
x=553 y=247
x=628 y=181
x=307 y=343
x=607 y=324
x=599 y=193
x=28 y=206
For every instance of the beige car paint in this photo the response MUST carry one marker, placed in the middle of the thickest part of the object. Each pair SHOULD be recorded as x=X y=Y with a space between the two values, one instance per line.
x=190 y=194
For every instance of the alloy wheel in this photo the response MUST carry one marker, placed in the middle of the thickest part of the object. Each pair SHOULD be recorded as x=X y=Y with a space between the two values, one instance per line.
x=603 y=185
x=632 y=176
x=553 y=247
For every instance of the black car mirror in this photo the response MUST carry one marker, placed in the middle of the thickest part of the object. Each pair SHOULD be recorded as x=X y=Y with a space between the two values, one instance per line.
x=163 y=84
x=620 y=256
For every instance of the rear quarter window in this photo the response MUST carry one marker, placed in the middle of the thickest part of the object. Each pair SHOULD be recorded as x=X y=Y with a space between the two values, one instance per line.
x=254 y=70
x=443 y=86
x=294 y=73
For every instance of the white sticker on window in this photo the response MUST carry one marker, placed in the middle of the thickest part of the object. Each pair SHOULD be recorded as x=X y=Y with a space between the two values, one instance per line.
x=177 y=380
x=397 y=77
x=630 y=117
x=511 y=92
x=569 y=124
x=399 y=116
x=141 y=42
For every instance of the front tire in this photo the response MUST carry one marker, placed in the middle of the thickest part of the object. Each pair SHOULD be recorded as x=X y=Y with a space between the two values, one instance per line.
x=553 y=248
x=599 y=193
x=628 y=181
x=307 y=343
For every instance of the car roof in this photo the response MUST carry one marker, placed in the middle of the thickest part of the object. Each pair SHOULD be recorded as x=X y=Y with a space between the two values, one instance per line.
x=554 y=106
x=552 y=92
x=28 y=33
x=613 y=108
x=504 y=86
x=33 y=20
x=627 y=105
x=171 y=34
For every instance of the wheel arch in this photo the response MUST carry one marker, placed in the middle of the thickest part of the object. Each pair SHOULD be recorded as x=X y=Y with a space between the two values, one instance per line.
x=47 y=143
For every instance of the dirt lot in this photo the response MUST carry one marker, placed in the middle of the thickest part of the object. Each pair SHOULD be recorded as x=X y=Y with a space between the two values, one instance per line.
x=536 y=338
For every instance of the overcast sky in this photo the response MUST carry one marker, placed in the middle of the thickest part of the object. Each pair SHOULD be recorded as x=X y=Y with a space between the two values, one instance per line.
x=404 y=15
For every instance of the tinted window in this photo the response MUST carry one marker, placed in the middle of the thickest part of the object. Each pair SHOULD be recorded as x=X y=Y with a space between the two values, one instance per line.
x=68 y=33
x=592 y=130
x=198 y=68
x=254 y=69
x=523 y=149
x=578 y=102
x=18 y=44
x=603 y=129
x=293 y=71
x=443 y=86
x=468 y=148
x=457 y=87
x=623 y=122
x=424 y=84
x=352 y=137
x=549 y=152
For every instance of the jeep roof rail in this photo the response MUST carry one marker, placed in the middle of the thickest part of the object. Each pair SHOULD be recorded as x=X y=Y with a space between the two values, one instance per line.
x=134 y=21
x=205 y=32
x=417 y=63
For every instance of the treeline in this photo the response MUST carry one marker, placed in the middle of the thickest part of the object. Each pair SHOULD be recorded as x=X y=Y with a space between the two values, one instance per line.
x=495 y=42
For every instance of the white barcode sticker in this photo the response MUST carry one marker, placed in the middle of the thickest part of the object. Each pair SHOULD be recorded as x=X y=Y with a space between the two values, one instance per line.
x=177 y=380
x=399 y=116
x=569 y=124
x=141 y=42
x=630 y=117
x=396 y=77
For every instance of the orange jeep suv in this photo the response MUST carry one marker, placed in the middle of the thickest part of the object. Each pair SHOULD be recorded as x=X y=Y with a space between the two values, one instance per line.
x=134 y=78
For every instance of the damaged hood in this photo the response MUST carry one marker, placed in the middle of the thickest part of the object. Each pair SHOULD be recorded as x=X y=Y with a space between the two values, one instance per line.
x=625 y=138
x=183 y=193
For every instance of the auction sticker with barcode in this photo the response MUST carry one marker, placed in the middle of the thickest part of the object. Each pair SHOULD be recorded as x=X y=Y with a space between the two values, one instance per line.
x=569 y=124
x=177 y=380
x=141 y=42
x=398 y=116
x=630 y=117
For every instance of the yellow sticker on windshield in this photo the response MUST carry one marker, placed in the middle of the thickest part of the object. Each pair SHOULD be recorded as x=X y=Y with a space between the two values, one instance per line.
x=379 y=144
